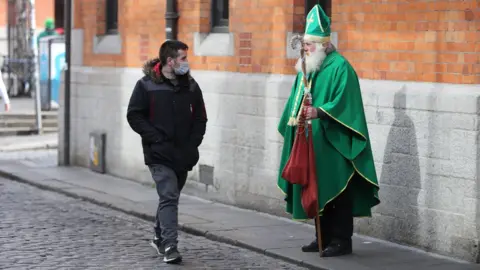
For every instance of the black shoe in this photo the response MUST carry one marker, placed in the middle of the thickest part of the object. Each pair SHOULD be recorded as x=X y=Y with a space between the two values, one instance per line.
x=312 y=247
x=172 y=255
x=156 y=243
x=338 y=248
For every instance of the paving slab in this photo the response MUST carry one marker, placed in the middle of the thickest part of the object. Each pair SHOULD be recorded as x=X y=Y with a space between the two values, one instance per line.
x=275 y=236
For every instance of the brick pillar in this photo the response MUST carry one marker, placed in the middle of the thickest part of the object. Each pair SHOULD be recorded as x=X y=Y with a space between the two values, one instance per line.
x=245 y=49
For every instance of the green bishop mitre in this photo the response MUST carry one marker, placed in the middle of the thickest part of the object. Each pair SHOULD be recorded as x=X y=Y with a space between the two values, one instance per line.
x=317 y=28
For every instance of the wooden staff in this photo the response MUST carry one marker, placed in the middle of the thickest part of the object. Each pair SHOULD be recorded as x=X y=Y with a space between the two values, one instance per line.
x=295 y=40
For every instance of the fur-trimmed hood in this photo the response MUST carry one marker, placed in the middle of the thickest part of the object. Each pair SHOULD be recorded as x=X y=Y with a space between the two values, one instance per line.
x=152 y=69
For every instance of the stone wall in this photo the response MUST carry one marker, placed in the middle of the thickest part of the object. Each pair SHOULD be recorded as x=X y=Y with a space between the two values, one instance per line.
x=424 y=138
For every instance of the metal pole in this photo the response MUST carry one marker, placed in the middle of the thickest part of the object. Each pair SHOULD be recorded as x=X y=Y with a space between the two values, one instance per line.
x=171 y=17
x=36 y=79
x=66 y=108
x=49 y=81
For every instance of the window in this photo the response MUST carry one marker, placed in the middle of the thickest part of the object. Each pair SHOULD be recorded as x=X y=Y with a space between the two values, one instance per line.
x=111 y=15
x=59 y=13
x=325 y=4
x=220 y=16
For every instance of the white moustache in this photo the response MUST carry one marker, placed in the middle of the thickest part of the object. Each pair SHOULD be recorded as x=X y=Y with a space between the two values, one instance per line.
x=313 y=61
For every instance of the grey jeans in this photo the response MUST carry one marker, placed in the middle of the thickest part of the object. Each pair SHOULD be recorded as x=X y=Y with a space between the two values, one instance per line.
x=168 y=184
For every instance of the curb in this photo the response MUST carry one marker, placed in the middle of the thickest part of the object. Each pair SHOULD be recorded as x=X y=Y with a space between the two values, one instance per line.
x=182 y=227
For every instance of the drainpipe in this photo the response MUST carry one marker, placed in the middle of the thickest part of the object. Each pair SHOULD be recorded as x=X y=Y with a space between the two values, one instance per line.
x=171 y=17
x=66 y=107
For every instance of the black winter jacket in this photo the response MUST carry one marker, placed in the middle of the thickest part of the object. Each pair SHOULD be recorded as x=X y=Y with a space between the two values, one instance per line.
x=169 y=116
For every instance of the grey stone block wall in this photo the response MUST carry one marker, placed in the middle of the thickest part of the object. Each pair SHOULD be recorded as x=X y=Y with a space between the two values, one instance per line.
x=424 y=138
x=425 y=142
x=99 y=103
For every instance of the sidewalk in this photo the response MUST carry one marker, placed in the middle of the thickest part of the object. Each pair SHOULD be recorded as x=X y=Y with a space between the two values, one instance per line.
x=28 y=142
x=270 y=235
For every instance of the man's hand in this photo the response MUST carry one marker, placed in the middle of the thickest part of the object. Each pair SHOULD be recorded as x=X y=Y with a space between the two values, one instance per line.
x=310 y=112
x=7 y=107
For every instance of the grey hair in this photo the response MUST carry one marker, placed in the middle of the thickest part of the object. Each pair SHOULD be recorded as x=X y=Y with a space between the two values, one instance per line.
x=329 y=47
x=297 y=40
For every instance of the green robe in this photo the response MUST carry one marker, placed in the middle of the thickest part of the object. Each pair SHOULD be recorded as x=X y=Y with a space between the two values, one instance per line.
x=45 y=33
x=341 y=143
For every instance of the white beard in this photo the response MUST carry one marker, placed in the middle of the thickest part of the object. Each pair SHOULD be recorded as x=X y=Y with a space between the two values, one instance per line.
x=312 y=61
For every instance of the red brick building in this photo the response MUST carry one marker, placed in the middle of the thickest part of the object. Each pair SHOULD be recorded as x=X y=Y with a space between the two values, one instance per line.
x=435 y=41
x=419 y=69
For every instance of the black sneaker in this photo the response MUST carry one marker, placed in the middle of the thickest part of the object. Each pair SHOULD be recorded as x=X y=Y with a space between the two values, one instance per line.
x=172 y=255
x=156 y=243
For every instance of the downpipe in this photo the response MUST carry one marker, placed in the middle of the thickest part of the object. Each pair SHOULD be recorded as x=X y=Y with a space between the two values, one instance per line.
x=66 y=108
x=171 y=20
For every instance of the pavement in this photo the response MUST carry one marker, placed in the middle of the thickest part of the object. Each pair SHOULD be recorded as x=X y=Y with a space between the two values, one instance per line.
x=40 y=229
x=268 y=235
x=28 y=142
x=22 y=105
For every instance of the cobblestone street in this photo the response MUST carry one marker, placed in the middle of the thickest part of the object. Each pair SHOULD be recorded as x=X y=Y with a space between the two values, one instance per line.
x=45 y=230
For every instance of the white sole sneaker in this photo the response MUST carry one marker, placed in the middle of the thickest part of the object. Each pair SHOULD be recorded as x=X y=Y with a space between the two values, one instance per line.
x=155 y=247
x=175 y=260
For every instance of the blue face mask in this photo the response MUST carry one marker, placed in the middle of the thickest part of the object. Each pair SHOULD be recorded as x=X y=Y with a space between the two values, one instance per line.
x=182 y=68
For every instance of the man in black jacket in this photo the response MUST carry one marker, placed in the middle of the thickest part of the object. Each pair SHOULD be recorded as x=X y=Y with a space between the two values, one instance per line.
x=167 y=110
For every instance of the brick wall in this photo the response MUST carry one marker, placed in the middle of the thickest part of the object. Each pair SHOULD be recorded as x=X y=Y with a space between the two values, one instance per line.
x=397 y=40
x=259 y=27
x=434 y=41
x=44 y=9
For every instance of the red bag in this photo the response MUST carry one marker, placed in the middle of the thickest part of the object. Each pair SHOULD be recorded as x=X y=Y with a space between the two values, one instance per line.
x=296 y=169
x=300 y=169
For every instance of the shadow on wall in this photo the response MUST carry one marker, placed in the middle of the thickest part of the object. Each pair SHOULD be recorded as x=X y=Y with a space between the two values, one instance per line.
x=400 y=177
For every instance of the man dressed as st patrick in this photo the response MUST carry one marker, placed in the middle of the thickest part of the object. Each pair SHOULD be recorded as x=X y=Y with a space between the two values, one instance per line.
x=346 y=178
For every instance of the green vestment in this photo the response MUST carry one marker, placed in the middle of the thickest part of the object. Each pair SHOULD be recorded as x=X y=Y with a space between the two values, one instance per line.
x=45 y=33
x=341 y=142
